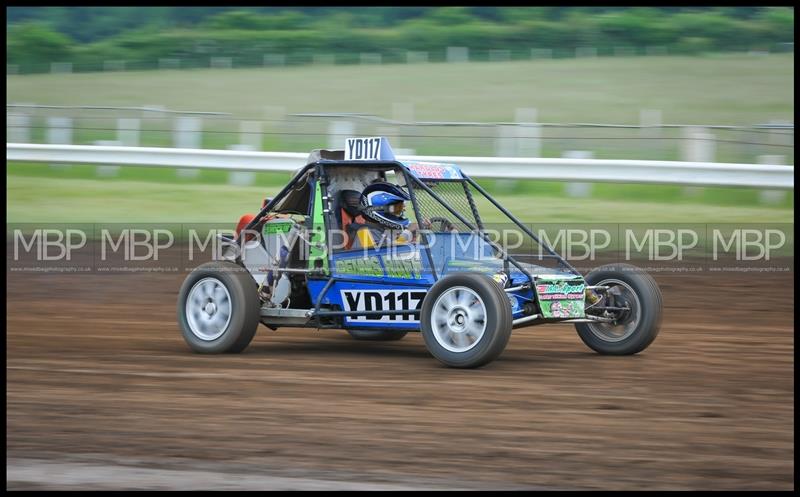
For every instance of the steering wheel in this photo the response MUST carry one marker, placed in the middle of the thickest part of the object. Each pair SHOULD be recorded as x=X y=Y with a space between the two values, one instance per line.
x=445 y=224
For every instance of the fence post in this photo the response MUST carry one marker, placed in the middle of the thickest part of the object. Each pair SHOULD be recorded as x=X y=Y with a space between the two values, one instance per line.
x=504 y=144
x=578 y=189
x=457 y=54
x=338 y=132
x=241 y=178
x=650 y=129
x=698 y=145
x=107 y=171
x=128 y=131
x=650 y=122
x=778 y=136
x=772 y=196
x=187 y=134
x=529 y=133
x=59 y=131
x=250 y=134
x=18 y=127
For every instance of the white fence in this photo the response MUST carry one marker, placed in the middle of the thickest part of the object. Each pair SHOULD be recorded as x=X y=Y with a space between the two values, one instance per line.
x=526 y=136
x=585 y=170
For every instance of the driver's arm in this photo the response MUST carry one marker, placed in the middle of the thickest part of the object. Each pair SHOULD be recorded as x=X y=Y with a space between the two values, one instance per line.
x=410 y=233
x=406 y=236
x=425 y=224
x=365 y=238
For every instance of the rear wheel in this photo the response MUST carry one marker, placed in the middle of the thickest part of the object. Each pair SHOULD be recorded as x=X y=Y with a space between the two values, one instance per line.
x=636 y=325
x=218 y=308
x=466 y=320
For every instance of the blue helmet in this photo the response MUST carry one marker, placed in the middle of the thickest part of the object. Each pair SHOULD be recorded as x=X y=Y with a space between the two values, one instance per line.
x=379 y=203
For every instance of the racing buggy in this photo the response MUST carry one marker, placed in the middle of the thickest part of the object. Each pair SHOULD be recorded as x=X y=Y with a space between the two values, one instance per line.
x=299 y=262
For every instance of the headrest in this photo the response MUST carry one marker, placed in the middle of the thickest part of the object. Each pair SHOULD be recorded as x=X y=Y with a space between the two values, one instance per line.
x=349 y=200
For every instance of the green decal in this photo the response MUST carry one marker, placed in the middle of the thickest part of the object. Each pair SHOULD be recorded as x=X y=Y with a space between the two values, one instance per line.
x=318 y=250
x=270 y=228
x=403 y=268
x=366 y=266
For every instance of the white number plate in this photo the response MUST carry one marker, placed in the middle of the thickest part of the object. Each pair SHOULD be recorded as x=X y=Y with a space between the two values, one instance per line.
x=383 y=300
x=362 y=149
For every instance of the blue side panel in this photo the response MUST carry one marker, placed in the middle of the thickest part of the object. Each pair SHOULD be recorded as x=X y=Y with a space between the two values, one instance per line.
x=379 y=296
x=373 y=296
x=398 y=278
x=391 y=278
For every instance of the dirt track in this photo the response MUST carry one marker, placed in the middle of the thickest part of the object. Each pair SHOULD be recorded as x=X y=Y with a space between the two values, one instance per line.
x=98 y=374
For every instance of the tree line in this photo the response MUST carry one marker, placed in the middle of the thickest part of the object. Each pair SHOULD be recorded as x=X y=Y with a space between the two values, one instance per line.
x=38 y=36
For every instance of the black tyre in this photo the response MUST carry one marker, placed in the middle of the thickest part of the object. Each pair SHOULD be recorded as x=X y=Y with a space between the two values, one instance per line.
x=377 y=335
x=466 y=320
x=218 y=308
x=635 y=329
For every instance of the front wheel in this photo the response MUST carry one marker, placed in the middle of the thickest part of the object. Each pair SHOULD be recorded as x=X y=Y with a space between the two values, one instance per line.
x=218 y=308
x=466 y=320
x=633 y=301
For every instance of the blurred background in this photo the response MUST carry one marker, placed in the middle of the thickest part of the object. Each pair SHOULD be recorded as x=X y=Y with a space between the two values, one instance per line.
x=668 y=83
x=102 y=392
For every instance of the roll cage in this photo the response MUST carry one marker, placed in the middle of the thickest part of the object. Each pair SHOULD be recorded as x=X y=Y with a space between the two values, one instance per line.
x=315 y=179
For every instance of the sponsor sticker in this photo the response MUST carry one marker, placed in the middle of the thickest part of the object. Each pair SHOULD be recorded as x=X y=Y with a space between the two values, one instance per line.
x=432 y=170
x=561 y=298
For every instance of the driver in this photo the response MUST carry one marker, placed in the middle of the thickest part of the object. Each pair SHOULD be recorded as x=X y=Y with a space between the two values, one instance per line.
x=383 y=205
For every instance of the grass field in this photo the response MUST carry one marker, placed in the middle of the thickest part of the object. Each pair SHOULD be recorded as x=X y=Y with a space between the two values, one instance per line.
x=715 y=89
x=551 y=190
x=731 y=89
x=41 y=199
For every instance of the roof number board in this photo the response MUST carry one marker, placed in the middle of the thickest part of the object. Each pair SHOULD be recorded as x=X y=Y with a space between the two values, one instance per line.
x=363 y=149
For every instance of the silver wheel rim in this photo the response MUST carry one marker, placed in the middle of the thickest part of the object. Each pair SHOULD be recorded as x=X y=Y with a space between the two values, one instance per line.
x=208 y=309
x=458 y=319
x=616 y=333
